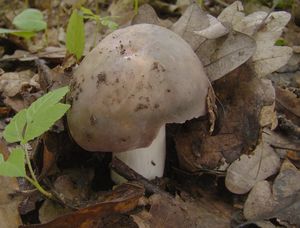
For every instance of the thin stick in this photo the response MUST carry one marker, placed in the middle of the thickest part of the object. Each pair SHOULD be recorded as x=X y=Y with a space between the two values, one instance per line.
x=122 y=169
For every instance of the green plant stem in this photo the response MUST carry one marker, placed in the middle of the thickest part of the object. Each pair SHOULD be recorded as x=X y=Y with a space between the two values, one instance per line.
x=34 y=180
x=39 y=187
x=136 y=6
x=29 y=163
x=97 y=7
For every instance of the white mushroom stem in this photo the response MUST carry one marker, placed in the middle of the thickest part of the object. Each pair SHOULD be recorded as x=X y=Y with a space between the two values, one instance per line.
x=148 y=162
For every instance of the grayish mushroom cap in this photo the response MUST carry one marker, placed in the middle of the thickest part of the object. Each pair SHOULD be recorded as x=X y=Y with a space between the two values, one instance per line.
x=135 y=80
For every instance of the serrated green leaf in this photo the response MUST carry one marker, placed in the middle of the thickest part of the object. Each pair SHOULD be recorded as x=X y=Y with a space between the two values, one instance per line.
x=44 y=120
x=14 y=130
x=75 y=34
x=30 y=20
x=20 y=33
x=14 y=166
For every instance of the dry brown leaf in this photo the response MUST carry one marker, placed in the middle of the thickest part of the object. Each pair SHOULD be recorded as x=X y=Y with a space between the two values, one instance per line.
x=269 y=59
x=268 y=117
x=265 y=29
x=215 y=29
x=280 y=200
x=50 y=149
x=4 y=112
x=193 y=19
x=122 y=199
x=287 y=182
x=9 y=214
x=242 y=97
x=14 y=83
x=260 y=203
x=18 y=103
x=229 y=52
x=50 y=210
x=176 y=213
x=194 y=148
x=232 y=14
x=280 y=141
x=243 y=173
x=57 y=77
x=20 y=55
x=146 y=15
x=264 y=224
x=54 y=54
x=219 y=53
x=73 y=185
x=288 y=100
x=122 y=10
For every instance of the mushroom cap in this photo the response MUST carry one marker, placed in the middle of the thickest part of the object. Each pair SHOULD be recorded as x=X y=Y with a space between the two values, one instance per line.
x=134 y=81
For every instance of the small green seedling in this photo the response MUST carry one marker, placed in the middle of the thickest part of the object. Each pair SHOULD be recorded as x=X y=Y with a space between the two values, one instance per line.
x=281 y=42
x=75 y=30
x=27 y=23
x=27 y=125
x=105 y=21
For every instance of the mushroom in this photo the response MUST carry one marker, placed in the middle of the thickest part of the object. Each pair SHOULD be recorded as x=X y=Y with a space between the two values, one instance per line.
x=128 y=87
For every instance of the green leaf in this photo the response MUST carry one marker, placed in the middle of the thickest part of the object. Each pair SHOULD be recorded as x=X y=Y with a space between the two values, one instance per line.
x=20 y=33
x=86 y=11
x=45 y=101
x=38 y=118
x=24 y=34
x=14 y=130
x=14 y=166
x=88 y=14
x=30 y=20
x=75 y=34
x=43 y=113
x=106 y=21
x=44 y=120
x=7 y=31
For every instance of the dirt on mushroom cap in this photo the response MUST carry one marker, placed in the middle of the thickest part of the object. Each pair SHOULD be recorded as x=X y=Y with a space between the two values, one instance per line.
x=136 y=79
